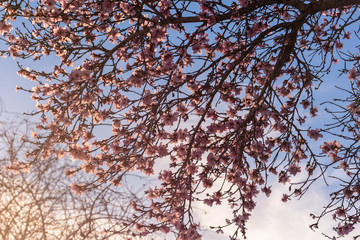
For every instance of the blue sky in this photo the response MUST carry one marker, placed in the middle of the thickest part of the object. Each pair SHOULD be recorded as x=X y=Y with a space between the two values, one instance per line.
x=269 y=217
x=11 y=101
x=272 y=219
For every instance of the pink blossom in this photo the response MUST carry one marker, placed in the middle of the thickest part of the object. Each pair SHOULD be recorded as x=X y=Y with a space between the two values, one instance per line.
x=169 y=118
x=77 y=188
x=347 y=35
x=162 y=150
x=283 y=178
x=344 y=229
x=353 y=74
x=211 y=160
x=285 y=198
x=267 y=191
x=314 y=134
x=294 y=169
x=330 y=146
x=191 y=169
x=313 y=111
x=340 y=212
x=116 y=123
x=5 y=28
x=334 y=157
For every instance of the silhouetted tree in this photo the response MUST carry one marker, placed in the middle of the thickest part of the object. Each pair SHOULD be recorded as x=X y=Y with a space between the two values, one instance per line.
x=39 y=204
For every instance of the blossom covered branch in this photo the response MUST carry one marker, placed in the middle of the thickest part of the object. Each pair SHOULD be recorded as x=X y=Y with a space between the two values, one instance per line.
x=221 y=90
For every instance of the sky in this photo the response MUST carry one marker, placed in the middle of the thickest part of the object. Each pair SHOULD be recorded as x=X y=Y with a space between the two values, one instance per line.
x=12 y=102
x=271 y=219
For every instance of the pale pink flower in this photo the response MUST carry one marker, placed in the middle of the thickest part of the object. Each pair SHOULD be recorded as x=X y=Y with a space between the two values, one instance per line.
x=116 y=123
x=169 y=118
x=353 y=74
x=267 y=191
x=314 y=134
x=50 y=4
x=283 y=178
x=285 y=198
x=162 y=150
x=294 y=169
x=5 y=28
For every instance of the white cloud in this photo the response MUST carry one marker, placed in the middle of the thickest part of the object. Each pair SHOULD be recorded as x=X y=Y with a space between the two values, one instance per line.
x=272 y=219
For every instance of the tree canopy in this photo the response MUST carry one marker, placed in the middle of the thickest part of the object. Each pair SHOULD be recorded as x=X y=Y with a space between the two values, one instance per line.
x=211 y=97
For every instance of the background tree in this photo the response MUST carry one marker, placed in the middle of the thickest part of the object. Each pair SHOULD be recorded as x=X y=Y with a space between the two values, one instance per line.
x=220 y=89
x=39 y=204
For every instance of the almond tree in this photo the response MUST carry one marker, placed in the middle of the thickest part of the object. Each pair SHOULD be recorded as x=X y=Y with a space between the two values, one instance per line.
x=211 y=97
